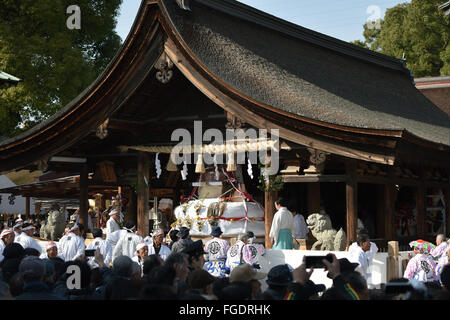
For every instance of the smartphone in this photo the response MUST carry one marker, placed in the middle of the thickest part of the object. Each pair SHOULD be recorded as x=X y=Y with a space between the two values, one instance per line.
x=89 y=253
x=316 y=261
x=398 y=287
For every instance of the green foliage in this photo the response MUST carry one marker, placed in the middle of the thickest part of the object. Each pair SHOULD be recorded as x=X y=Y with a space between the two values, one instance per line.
x=55 y=63
x=418 y=31
x=275 y=183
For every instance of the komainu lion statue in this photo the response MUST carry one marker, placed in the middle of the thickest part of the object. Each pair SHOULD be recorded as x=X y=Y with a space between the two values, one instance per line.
x=327 y=238
x=54 y=226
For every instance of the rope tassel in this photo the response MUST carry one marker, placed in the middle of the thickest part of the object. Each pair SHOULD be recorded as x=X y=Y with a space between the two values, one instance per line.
x=231 y=165
x=200 y=167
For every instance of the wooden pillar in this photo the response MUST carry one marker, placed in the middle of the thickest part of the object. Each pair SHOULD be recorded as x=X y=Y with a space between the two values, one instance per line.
x=380 y=211
x=389 y=201
x=446 y=192
x=313 y=197
x=351 y=190
x=27 y=208
x=84 y=201
x=142 y=194
x=392 y=268
x=269 y=205
x=37 y=210
x=420 y=206
x=131 y=206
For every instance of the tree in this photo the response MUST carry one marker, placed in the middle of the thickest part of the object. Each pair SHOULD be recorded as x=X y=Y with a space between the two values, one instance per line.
x=418 y=32
x=55 y=63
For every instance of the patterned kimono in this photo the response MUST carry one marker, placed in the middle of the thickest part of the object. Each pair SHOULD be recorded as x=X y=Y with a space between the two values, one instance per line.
x=216 y=255
x=441 y=263
x=252 y=252
x=421 y=268
x=440 y=250
x=235 y=255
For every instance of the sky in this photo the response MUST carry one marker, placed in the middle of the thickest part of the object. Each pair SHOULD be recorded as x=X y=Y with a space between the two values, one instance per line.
x=342 y=19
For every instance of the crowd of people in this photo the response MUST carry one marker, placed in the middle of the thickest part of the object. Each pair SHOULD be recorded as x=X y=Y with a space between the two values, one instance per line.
x=122 y=265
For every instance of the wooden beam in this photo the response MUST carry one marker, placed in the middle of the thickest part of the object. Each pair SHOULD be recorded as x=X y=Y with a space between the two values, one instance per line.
x=351 y=189
x=143 y=194
x=269 y=207
x=84 y=201
x=314 y=178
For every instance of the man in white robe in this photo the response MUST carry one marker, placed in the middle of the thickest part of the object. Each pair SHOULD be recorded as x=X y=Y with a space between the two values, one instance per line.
x=441 y=247
x=282 y=226
x=126 y=246
x=104 y=247
x=360 y=252
x=113 y=223
x=114 y=237
x=71 y=246
x=157 y=246
x=25 y=238
x=51 y=251
x=17 y=228
x=6 y=237
x=300 y=228
x=140 y=255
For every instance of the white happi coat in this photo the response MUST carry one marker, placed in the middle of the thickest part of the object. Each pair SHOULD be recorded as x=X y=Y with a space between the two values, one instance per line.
x=300 y=228
x=235 y=255
x=115 y=236
x=252 y=252
x=216 y=255
x=283 y=219
x=126 y=246
x=111 y=226
x=71 y=247
x=28 y=242
x=105 y=250
x=164 y=252
x=421 y=267
x=216 y=249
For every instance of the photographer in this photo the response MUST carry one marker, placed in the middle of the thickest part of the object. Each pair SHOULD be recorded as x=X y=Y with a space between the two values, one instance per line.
x=348 y=285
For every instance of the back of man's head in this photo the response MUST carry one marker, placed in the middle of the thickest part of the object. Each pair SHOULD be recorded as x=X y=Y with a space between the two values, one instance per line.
x=122 y=266
x=236 y=291
x=151 y=262
x=177 y=258
x=357 y=282
x=130 y=225
x=32 y=269
x=97 y=233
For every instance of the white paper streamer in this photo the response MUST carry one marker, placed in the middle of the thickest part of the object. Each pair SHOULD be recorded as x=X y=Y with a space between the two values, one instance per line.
x=158 y=166
x=249 y=168
x=215 y=168
x=184 y=172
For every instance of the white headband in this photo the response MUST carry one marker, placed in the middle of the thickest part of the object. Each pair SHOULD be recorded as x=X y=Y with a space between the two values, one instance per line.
x=74 y=227
x=28 y=228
